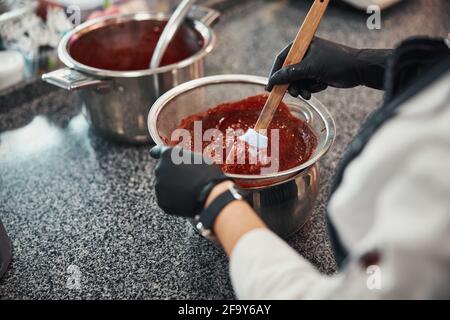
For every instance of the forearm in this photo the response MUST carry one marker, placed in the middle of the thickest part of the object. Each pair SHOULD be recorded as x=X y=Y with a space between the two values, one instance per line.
x=262 y=267
x=235 y=220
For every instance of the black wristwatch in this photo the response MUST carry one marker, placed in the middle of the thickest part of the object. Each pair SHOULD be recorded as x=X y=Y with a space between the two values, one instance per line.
x=205 y=220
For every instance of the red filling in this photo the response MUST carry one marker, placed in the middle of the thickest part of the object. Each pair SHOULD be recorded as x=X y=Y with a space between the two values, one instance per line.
x=129 y=46
x=297 y=141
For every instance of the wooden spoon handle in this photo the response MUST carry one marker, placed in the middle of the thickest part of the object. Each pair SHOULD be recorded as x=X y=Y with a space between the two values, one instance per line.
x=296 y=54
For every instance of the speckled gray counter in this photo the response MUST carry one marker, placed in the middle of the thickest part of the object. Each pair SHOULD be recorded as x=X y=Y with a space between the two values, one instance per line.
x=71 y=200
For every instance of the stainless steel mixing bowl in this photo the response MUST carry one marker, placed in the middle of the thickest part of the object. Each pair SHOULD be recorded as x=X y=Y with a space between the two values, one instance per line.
x=284 y=199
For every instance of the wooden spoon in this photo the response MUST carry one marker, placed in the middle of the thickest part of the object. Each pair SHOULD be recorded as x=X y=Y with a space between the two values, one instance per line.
x=296 y=54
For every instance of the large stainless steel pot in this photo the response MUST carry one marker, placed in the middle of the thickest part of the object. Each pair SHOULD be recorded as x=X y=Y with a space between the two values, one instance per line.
x=117 y=101
x=284 y=199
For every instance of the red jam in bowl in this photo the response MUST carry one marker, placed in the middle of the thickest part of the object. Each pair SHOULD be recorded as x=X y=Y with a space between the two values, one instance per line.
x=297 y=141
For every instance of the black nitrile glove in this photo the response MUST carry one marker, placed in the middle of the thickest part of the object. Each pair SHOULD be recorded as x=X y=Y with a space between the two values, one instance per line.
x=182 y=189
x=330 y=64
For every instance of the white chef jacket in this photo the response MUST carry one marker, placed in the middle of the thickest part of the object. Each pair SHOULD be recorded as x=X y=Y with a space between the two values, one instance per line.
x=394 y=200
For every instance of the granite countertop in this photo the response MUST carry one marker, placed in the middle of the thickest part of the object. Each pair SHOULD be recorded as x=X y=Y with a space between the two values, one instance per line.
x=71 y=200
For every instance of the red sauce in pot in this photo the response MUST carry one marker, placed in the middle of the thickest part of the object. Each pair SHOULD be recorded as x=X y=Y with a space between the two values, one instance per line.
x=297 y=141
x=129 y=46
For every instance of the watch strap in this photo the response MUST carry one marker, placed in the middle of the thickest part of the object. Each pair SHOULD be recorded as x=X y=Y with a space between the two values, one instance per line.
x=207 y=189
x=205 y=220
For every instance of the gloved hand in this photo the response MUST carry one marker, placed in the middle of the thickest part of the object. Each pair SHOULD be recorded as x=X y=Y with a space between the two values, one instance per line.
x=182 y=189
x=330 y=64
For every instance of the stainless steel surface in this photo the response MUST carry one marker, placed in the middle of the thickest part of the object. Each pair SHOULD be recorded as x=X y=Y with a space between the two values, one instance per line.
x=70 y=79
x=200 y=23
x=285 y=199
x=169 y=31
x=285 y=207
x=117 y=102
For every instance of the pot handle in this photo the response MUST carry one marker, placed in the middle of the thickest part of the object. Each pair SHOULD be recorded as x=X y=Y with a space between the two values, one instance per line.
x=206 y=15
x=70 y=79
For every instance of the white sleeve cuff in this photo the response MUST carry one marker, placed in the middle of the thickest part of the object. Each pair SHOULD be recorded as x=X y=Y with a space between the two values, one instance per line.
x=262 y=266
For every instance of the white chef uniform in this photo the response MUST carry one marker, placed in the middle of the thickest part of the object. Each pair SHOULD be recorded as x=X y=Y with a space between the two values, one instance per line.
x=392 y=213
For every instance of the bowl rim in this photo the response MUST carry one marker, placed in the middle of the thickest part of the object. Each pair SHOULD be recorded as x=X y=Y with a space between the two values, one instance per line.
x=323 y=112
x=205 y=32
